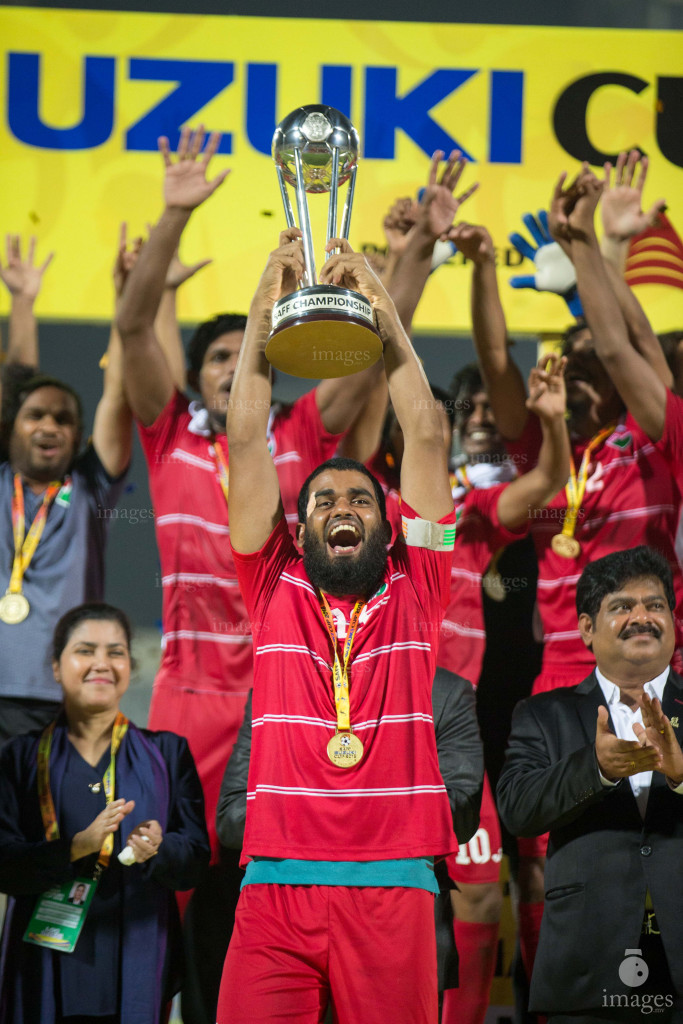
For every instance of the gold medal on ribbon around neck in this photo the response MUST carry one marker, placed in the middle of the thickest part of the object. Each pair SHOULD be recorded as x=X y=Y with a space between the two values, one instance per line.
x=14 y=608
x=345 y=750
x=564 y=546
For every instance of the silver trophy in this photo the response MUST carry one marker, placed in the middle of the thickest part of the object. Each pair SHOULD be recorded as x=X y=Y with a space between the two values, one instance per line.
x=319 y=330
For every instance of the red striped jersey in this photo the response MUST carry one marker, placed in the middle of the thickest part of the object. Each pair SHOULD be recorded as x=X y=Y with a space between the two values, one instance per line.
x=207 y=644
x=393 y=803
x=478 y=537
x=631 y=498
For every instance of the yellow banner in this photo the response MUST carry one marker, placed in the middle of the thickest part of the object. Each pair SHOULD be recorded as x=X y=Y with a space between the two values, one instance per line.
x=86 y=94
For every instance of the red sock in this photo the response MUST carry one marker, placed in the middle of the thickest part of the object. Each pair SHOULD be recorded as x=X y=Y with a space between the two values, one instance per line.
x=530 y=915
x=477 y=946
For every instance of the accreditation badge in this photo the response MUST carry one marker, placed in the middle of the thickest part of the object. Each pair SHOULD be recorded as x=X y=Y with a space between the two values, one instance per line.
x=59 y=914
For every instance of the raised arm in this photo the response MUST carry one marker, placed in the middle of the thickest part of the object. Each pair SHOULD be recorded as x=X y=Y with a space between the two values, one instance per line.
x=166 y=323
x=23 y=281
x=254 y=504
x=433 y=219
x=424 y=469
x=547 y=400
x=113 y=426
x=637 y=382
x=148 y=377
x=622 y=219
x=501 y=374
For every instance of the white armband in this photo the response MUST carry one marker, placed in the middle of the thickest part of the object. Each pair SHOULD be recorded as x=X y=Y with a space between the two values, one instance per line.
x=419 y=533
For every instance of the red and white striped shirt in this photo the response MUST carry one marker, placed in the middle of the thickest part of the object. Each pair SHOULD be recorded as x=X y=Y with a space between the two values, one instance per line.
x=393 y=804
x=632 y=497
x=207 y=644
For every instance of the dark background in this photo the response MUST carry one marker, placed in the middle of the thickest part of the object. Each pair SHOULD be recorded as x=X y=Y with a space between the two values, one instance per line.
x=72 y=350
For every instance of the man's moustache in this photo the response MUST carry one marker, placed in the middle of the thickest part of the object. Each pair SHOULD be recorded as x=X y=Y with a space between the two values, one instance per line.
x=636 y=630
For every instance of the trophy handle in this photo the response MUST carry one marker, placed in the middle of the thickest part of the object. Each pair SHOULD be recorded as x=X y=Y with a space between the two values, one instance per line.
x=334 y=194
x=304 y=221
x=346 y=216
x=289 y=212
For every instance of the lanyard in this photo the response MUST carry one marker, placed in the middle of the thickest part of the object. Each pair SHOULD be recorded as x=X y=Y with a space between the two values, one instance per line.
x=47 y=807
x=340 y=676
x=576 y=485
x=25 y=544
x=222 y=467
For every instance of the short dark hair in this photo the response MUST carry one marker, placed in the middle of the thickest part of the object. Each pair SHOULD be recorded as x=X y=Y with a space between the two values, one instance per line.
x=339 y=462
x=207 y=332
x=18 y=385
x=609 y=574
x=570 y=334
x=670 y=340
x=97 y=610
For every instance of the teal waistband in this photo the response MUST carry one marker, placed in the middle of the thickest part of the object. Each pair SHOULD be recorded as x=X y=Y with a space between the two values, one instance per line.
x=411 y=873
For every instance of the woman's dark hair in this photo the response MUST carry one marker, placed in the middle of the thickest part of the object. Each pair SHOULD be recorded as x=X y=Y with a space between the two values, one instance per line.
x=207 y=332
x=17 y=385
x=94 y=610
x=609 y=574
x=340 y=463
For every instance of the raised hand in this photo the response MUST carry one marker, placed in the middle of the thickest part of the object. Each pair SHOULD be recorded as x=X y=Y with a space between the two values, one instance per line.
x=582 y=214
x=618 y=759
x=658 y=732
x=547 y=394
x=284 y=269
x=178 y=272
x=398 y=222
x=473 y=241
x=185 y=185
x=20 y=276
x=91 y=839
x=554 y=269
x=438 y=205
x=145 y=840
x=125 y=259
x=350 y=269
x=622 y=213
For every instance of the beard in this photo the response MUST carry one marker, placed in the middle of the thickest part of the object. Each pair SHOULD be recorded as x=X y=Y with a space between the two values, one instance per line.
x=359 y=576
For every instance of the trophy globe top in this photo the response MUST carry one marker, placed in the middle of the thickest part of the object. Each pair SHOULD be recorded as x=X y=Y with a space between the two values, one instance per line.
x=315 y=130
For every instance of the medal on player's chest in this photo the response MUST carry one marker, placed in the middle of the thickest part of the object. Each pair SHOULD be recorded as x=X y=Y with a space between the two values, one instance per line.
x=14 y=608
x=344 y=749
x=565 y=546
x=565 y=543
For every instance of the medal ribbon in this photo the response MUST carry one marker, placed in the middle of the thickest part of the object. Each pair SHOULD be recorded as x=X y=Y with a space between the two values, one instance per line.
x=47 y=807
x=25 y=548
x=340 y=677
x=222 y=467
x=576 y=485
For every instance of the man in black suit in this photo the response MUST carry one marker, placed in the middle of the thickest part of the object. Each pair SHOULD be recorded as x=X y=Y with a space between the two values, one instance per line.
x=600 y=767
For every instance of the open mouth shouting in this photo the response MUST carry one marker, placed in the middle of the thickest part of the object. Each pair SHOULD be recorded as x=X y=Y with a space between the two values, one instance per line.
x=344 y=538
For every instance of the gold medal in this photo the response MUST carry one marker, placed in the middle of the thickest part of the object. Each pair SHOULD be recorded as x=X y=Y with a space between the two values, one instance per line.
x=494 y=586
x=13 y=608
x=345 y=749
x=564 y=546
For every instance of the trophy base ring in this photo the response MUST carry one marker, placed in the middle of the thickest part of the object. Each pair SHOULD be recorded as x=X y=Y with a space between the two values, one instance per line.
x=322 y=346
